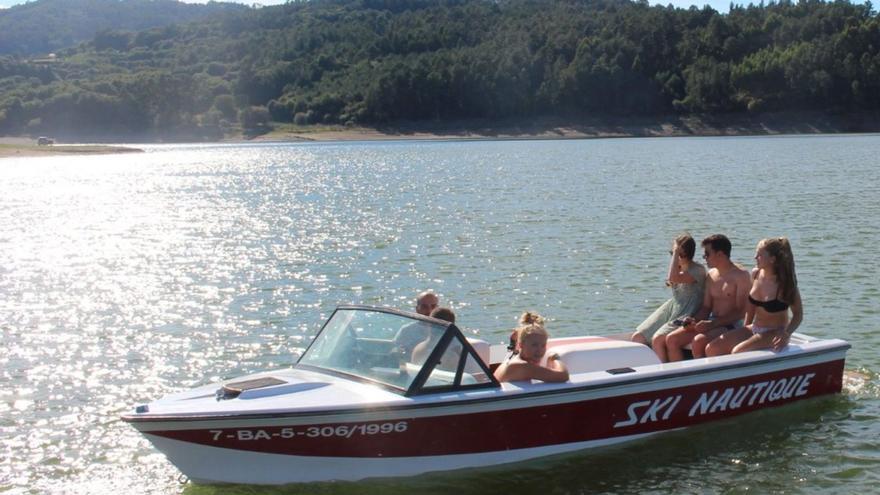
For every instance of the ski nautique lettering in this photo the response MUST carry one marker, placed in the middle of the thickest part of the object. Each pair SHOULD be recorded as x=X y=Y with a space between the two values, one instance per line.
x=718 y=400
x=734 y=397
x=655 y=407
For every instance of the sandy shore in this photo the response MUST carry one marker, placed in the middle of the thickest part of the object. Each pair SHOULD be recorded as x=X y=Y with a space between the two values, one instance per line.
x=19 y=147
x=551 y=128
x=541 y=128
x=460 y=131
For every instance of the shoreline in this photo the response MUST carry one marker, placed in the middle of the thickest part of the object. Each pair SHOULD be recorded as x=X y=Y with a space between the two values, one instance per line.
x=14 y=147
x=547 y=128
x=587 y=128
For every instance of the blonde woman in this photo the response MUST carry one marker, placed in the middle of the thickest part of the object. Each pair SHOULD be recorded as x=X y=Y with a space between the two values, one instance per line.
x=531 y=345
x=773 y=295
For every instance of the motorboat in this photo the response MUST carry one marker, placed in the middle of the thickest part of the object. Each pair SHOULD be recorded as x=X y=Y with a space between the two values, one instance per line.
x=386 y=393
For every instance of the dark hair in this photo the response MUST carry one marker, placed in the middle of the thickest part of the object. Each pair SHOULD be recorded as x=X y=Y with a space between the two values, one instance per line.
x=444 y=314
x=687 y=245
x=780 y=248
x=718 y=242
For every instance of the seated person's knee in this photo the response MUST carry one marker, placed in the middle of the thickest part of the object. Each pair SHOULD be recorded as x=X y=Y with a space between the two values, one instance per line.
x=676 y=340
x=739 y=348
x=658 y=340
x=714 y=349
x=699 y=345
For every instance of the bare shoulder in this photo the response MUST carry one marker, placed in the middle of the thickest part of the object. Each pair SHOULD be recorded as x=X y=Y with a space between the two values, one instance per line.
x=743 y=275
x=513 y=370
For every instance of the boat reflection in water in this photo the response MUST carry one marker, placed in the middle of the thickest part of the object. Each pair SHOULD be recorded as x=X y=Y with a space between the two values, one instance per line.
x=355 y=406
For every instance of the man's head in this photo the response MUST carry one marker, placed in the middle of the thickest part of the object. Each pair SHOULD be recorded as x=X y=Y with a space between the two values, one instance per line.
x=714 y=246
x=444 y=314
x=426 y=302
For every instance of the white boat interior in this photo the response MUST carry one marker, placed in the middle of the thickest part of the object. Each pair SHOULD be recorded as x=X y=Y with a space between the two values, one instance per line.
x=365 y=357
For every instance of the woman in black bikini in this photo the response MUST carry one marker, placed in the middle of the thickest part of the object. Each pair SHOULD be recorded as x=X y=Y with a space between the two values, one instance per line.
x=774 y=292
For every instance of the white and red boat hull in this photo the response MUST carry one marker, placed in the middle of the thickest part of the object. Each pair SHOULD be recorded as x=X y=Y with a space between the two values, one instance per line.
x=488 y=427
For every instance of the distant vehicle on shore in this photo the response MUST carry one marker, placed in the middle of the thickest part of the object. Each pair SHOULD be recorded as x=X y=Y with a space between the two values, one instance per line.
x=44 y=141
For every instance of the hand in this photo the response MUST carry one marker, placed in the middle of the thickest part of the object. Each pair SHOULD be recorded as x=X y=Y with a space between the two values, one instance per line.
x=702 y=326
x=683 y=322
x=780 y=340
x=553 y=357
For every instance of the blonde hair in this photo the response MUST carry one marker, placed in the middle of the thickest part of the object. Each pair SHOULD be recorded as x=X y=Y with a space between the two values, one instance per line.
x=780 y=248
x=530 y=324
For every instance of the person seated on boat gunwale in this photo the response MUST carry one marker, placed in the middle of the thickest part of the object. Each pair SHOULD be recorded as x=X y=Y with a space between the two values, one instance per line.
x=724 y=303
x=687 y=279
x=525 y=362
x=410 y=335
x=423 y=349
x=773 y=293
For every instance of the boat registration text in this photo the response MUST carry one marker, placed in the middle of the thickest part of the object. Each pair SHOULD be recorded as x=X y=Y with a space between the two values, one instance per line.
x=344 y=431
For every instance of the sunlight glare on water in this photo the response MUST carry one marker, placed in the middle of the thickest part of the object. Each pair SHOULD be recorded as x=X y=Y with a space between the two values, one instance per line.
x=123 y=278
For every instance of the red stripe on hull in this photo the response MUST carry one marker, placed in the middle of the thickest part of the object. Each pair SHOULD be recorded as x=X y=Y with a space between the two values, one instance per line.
x=535 y=426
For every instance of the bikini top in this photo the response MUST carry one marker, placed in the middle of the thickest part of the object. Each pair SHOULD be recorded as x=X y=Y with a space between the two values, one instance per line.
x=771 y=306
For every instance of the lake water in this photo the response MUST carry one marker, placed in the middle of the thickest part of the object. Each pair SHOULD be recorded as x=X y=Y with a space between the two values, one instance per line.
x=123 y=278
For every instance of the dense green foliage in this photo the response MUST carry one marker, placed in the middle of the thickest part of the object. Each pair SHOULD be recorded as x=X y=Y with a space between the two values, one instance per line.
x=375 y=61
x=44 y=26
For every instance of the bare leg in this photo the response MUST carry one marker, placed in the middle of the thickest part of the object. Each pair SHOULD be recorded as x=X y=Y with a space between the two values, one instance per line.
x=708 y=337
x=698 y=346
x=638 y=338
x=675 y=342
x=727 y=341
x=755 y=342
x=659 y=346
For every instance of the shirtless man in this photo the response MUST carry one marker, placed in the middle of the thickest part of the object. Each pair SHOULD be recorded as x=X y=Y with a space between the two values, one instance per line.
x=724 y=303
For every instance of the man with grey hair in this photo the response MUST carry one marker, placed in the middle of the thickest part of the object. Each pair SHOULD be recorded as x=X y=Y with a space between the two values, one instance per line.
x=410 y=335
x=426 y=302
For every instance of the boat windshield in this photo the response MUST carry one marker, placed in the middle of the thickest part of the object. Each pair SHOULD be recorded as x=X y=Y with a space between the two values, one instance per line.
x=392 y=348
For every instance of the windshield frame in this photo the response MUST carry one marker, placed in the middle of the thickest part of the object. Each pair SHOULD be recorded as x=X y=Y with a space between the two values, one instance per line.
x=417 y=384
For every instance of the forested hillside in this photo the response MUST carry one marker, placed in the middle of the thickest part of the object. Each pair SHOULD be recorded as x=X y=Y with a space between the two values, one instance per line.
x=43 y=26
x=377 y=61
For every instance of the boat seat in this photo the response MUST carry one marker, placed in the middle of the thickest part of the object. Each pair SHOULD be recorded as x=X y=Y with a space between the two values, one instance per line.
x=601 y=354
x=482 y=348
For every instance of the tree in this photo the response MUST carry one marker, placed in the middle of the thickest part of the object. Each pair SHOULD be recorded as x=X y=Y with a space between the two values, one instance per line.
x=254 y=117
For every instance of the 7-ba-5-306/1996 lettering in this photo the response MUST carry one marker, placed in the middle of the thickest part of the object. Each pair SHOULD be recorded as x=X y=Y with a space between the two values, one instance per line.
x=326 y=431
